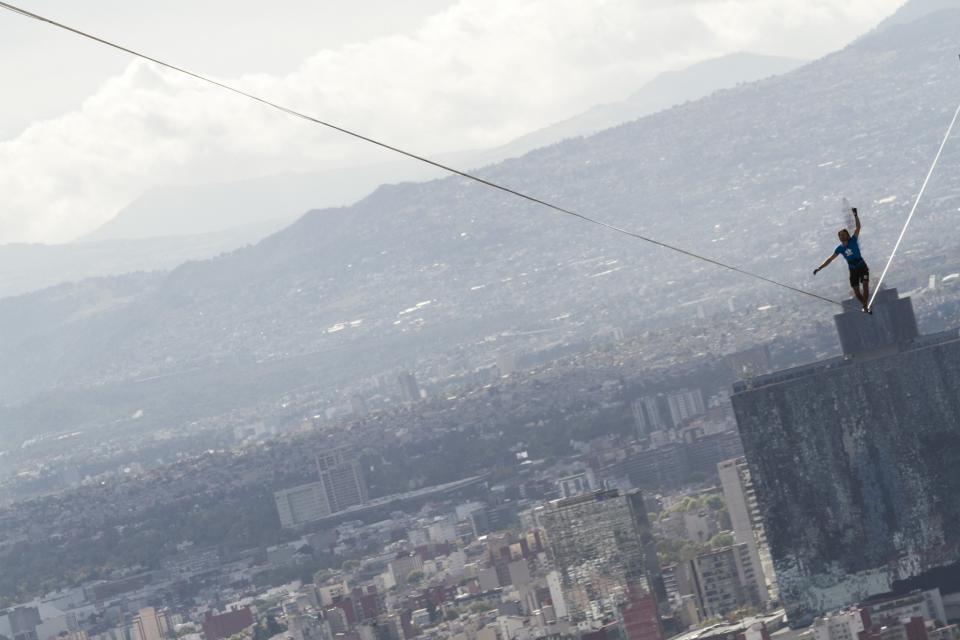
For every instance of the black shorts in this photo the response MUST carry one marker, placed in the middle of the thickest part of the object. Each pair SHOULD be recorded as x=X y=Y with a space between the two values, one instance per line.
x=859 y=274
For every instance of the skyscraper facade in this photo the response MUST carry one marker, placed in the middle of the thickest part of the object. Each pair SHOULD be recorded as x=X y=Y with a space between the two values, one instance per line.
x=605 y=556
x=854 y=460
x=741 y=501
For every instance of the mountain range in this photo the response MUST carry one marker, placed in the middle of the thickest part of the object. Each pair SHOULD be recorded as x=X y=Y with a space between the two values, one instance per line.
x=168 y=226
x=752 y=175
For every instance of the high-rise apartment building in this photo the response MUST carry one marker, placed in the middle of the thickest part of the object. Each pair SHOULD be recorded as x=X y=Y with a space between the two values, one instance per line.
x=341 y=485
x=342 y=477
x=854 y=461
x=666 y=411
x=604 y=554
x=725 y=580
x=685 y=404
x=650 y=414
x=741 y=501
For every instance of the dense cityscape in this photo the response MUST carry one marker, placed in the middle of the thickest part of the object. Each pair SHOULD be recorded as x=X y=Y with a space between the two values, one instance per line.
x=431 y=416
x=629 y=509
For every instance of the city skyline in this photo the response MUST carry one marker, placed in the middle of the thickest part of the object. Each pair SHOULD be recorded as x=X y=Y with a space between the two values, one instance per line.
x=591 y=390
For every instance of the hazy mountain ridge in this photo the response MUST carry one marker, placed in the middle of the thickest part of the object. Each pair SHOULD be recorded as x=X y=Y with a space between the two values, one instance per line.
x=751 y=175
x=25 y=268
x=666 y=90
x=272 y=202
x=914 y=10
x=279 y=199
x=168 y=226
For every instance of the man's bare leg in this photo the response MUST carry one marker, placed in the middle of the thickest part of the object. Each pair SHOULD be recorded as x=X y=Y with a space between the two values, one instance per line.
x=863 y=300
x=866 y=294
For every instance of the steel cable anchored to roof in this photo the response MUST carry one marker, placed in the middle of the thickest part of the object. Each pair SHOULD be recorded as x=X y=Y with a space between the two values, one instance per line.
x=913 y=209
x=414 y=156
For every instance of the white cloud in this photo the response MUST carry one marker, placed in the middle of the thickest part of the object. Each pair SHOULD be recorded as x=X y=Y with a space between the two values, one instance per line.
x=476 y=75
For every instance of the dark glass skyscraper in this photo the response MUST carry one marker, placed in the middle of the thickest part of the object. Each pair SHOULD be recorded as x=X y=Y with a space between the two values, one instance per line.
x=856 y=460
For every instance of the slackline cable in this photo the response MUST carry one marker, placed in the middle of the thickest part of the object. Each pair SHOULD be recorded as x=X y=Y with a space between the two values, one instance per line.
x=414 y=156
x=913 y=210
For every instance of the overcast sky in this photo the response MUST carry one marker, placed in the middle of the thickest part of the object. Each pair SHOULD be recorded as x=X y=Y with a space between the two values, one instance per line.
x=84 y=130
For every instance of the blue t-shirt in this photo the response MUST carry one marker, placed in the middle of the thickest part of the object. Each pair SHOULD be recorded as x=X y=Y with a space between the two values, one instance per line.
x=851 y=252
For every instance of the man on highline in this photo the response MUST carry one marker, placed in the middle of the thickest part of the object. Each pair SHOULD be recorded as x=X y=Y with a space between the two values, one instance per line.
x=859 y=272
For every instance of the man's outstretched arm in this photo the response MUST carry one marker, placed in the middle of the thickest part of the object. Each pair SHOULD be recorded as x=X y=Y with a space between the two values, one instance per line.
x=856 y=232
x=827 y=261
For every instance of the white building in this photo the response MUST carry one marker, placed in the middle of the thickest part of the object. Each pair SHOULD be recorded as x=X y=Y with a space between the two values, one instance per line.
x=330 y=592
x=841 y=625
x=741 y=502
x=556 y=594
x=442 y=530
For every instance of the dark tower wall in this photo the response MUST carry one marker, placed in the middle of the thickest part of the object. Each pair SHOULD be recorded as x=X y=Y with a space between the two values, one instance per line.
x=856 y=466
x=891 y=326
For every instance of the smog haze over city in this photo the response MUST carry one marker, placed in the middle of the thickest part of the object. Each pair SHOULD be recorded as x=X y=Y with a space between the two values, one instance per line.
x=480 y=320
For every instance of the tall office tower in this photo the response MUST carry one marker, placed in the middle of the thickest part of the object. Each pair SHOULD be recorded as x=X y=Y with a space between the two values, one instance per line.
x=726 y=579
x=650 y=414
x=409 y=389
x=302 y=504
x=854 y=461
x=342 y=478
x=741 y=501
x=685 y=404
x=606 y=558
